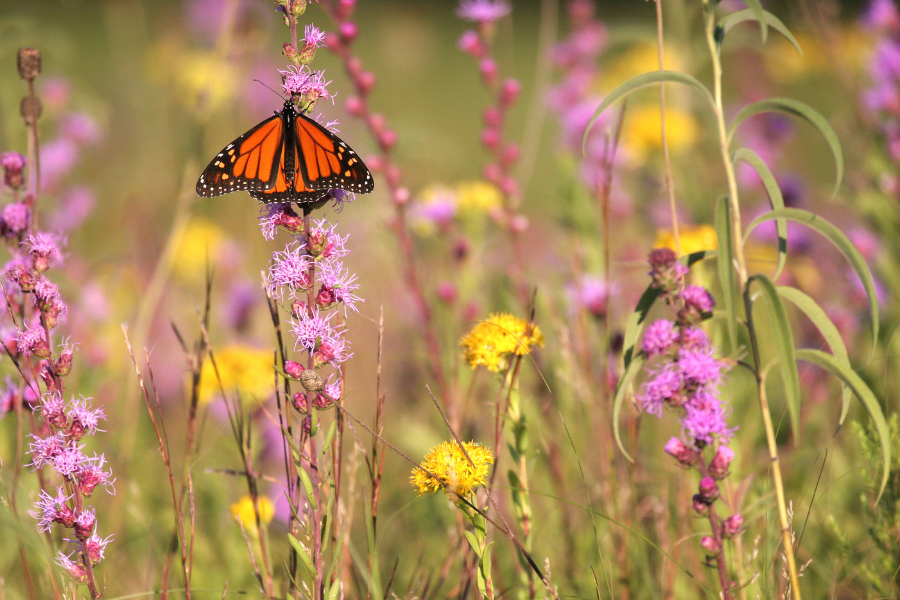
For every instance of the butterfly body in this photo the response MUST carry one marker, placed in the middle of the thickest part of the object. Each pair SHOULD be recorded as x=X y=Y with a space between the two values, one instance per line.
x=286 y=158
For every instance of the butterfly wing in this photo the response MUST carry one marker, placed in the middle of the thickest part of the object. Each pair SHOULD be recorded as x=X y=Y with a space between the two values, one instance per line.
x=327 y=162
x=249 y=163
x=285 y=191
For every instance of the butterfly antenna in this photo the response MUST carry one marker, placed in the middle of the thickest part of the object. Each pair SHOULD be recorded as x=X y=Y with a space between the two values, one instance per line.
x=268 y=88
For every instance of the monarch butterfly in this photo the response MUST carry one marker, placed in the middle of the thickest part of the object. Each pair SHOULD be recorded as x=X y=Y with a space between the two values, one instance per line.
x=286 y=158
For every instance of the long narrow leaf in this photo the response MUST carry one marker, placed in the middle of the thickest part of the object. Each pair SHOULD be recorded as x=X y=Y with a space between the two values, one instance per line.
x=725 y=266
x=624 y=385
x=776 y=200
x=727 y=22
x=641 y=81
x=828 y=330
x=841 y=241
x=784 y=347
x=867 y=399
x=805 y=112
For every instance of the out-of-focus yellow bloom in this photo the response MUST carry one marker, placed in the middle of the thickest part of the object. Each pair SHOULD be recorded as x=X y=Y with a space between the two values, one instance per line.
x=200 y=80
x=243 y=512
x=639 y=59
x=451 y=468
x=198 y=248
x=691 y=239
x=477 y=196
x=240 y=368
x=493 y=341
x=785 y=65
x=642 y=131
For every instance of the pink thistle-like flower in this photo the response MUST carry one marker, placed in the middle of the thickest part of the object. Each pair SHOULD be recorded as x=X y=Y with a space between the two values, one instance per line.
x=278 y=215
x=92 y=474
x=12 y=161
x=303 y=82
x=15 y=219
x=704 y=420
x=9 y=396
x=308 y=330
x=289 y=271
x=94 y=547
x=53 y=410
x=70 y=460
x=333 y=388
x=659 y=338
x=84 y=420
x=591 y=294
x=341 y=283
x=332 y=244
x=45 y=450
x=53 y=509
x=483 y=11
x=731 y=526
x=45 y=291
x=44 y=250
x=75 y=569
x=32 y=341
x=663 y=387
x=84 y=523
x=718 y=466
x=692 y=338
x=699 y=368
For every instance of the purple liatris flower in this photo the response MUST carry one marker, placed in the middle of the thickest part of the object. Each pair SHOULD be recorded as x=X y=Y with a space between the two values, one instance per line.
x=483 y=11
x=660 y=337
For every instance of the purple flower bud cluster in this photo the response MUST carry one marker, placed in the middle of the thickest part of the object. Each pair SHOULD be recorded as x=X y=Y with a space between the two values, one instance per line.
x=478 y=44
x=312 y=267
x=687 y=380
x=575 y=97
x=882 y=19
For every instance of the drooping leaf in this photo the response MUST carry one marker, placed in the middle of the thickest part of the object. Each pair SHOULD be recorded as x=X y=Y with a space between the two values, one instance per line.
x=867 y=399
x=840 y=240
x=641 y=81
x=798 y=109
x=784 y=347
x=727 y=22
x=776 y=200
x=828 y=330
x=622 y=388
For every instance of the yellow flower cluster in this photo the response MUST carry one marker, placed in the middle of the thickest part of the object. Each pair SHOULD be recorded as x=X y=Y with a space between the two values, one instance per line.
x=491 y=342
x=240 y=368
x=243 y=512
x=452 y=470
x=691 y=239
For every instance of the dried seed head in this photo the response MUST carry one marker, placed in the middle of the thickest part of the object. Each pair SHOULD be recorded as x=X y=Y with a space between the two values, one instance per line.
x=29 y=62
x=31 y=109
x=311 y=381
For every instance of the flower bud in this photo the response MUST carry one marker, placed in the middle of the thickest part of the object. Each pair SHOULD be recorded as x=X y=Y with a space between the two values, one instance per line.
x=509 y=92
x=471 y=43
x=300 y=403
x=13 y=164
x=446 y=291
x=731 y=526
x=681 y=452
x=30 y=109
x=718 y=466
x=348 y=30
x=289 y=51
x=488 y=69
x=366 y=81
x=84 y=524
x=709 y=489
x=355 y=106
x=325 y=298
x=493 y=118
x=293 y=369
x=490 y=138
x=712 y=547
x=29 y=62
x=49 y=379
x=700 y=507
x=323 y=402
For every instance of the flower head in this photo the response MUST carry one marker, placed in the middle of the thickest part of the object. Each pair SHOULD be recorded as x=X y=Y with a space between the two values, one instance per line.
x=483 y=11
x=494 y=340
x=306 y=84
x=245 y=513
x=449 y=469
x=239 y=368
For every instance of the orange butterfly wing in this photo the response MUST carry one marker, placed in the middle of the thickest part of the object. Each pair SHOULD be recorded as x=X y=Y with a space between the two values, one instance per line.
x=249 y=163
x=327 y=162
x=283 y=191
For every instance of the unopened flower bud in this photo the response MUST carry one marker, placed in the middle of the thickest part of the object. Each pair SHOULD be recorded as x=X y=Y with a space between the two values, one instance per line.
x=49 y=380
x=712 y=547
x=348 y=30
x=488 y=69
x=665 y=270
x=709 y=489
x=493 y=118
x=13 y=164
x=41 y=349
x=718 y=466
x=366 y=81
x=700 y=507
x=355 y=106
x=322 y=402
x=323 y=355
x=678 y=450
x=446 y=291
x=289 y=51
x=300 y=403
x=731 y=526
x=63 y=365
x=294 y=369
x=387 y=139
x=29 y=62
x=509 y=92
x=471 y=43
x=84 y=524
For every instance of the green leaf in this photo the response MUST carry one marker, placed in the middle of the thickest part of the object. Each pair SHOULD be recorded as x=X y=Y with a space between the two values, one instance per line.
x=473 y=541
x=866 y=397
x=307 y=486
x=805 y=112
x=335 y=590
x=304 y=555
x=725 y=266
x=641 y=81
x=841 y=241
x=374 y=571
x=784 y=347
x=327 y=442
x=759 y=14
x=828 y=330
x=729 y=21
x=776 y=200
x=624 y=385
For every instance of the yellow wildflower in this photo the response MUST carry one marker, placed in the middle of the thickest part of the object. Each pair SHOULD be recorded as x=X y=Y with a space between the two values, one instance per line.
x=691 y=239
x=451 y=468
x=198 y=247
x=199 y=79
x=492 y=341
x=243 y=512
x=240 y=368
x=477 y=196
x=786 y=65
x=642 y=131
